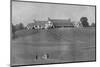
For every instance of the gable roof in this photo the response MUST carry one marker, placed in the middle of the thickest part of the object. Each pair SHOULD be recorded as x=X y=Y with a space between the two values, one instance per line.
x=41 y=23
x=30 y=24
x=61 y=22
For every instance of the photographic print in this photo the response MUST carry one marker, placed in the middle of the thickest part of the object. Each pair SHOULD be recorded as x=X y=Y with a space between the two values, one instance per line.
x=52 y=33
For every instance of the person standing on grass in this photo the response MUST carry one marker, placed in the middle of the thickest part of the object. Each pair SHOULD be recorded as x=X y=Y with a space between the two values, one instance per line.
x=36 y=57
x=45 y=56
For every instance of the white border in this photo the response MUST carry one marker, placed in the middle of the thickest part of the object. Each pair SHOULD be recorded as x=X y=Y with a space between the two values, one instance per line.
x=5 y=33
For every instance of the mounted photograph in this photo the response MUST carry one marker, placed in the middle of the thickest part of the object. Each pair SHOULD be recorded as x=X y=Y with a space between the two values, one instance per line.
x=51 y=33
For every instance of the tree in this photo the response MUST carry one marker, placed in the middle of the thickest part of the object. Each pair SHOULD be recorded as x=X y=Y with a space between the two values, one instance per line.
x=13 y=30
x=93 y=25
x=21 y=26
x=84 y=21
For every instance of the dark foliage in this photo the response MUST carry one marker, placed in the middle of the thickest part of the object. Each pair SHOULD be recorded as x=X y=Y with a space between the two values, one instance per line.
x=12 y=28
x=84 y=21
x=15 y=28
x=93 y=25
x=19 y=26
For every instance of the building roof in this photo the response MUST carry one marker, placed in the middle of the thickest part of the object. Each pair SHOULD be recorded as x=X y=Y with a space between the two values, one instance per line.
x=30 y=24
x=42 y=23
x=61 y=22
x=56 y=22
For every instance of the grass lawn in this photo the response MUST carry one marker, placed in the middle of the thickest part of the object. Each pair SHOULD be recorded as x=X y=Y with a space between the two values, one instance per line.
x=62 y=45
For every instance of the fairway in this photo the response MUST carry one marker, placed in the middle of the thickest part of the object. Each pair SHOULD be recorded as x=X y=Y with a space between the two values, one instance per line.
x=62 y=45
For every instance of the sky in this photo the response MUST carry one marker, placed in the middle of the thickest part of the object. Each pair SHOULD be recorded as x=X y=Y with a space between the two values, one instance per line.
x=26 y=12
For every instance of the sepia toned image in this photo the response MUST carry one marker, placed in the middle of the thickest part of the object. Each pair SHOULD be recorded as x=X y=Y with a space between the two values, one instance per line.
x=52 y=33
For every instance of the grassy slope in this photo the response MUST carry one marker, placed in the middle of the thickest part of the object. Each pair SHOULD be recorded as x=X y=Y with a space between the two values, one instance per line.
x=61 y=44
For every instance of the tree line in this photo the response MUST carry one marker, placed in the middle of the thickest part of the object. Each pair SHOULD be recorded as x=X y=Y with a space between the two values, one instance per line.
x=15 y=28
x=84 y=22
x=20 y=26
